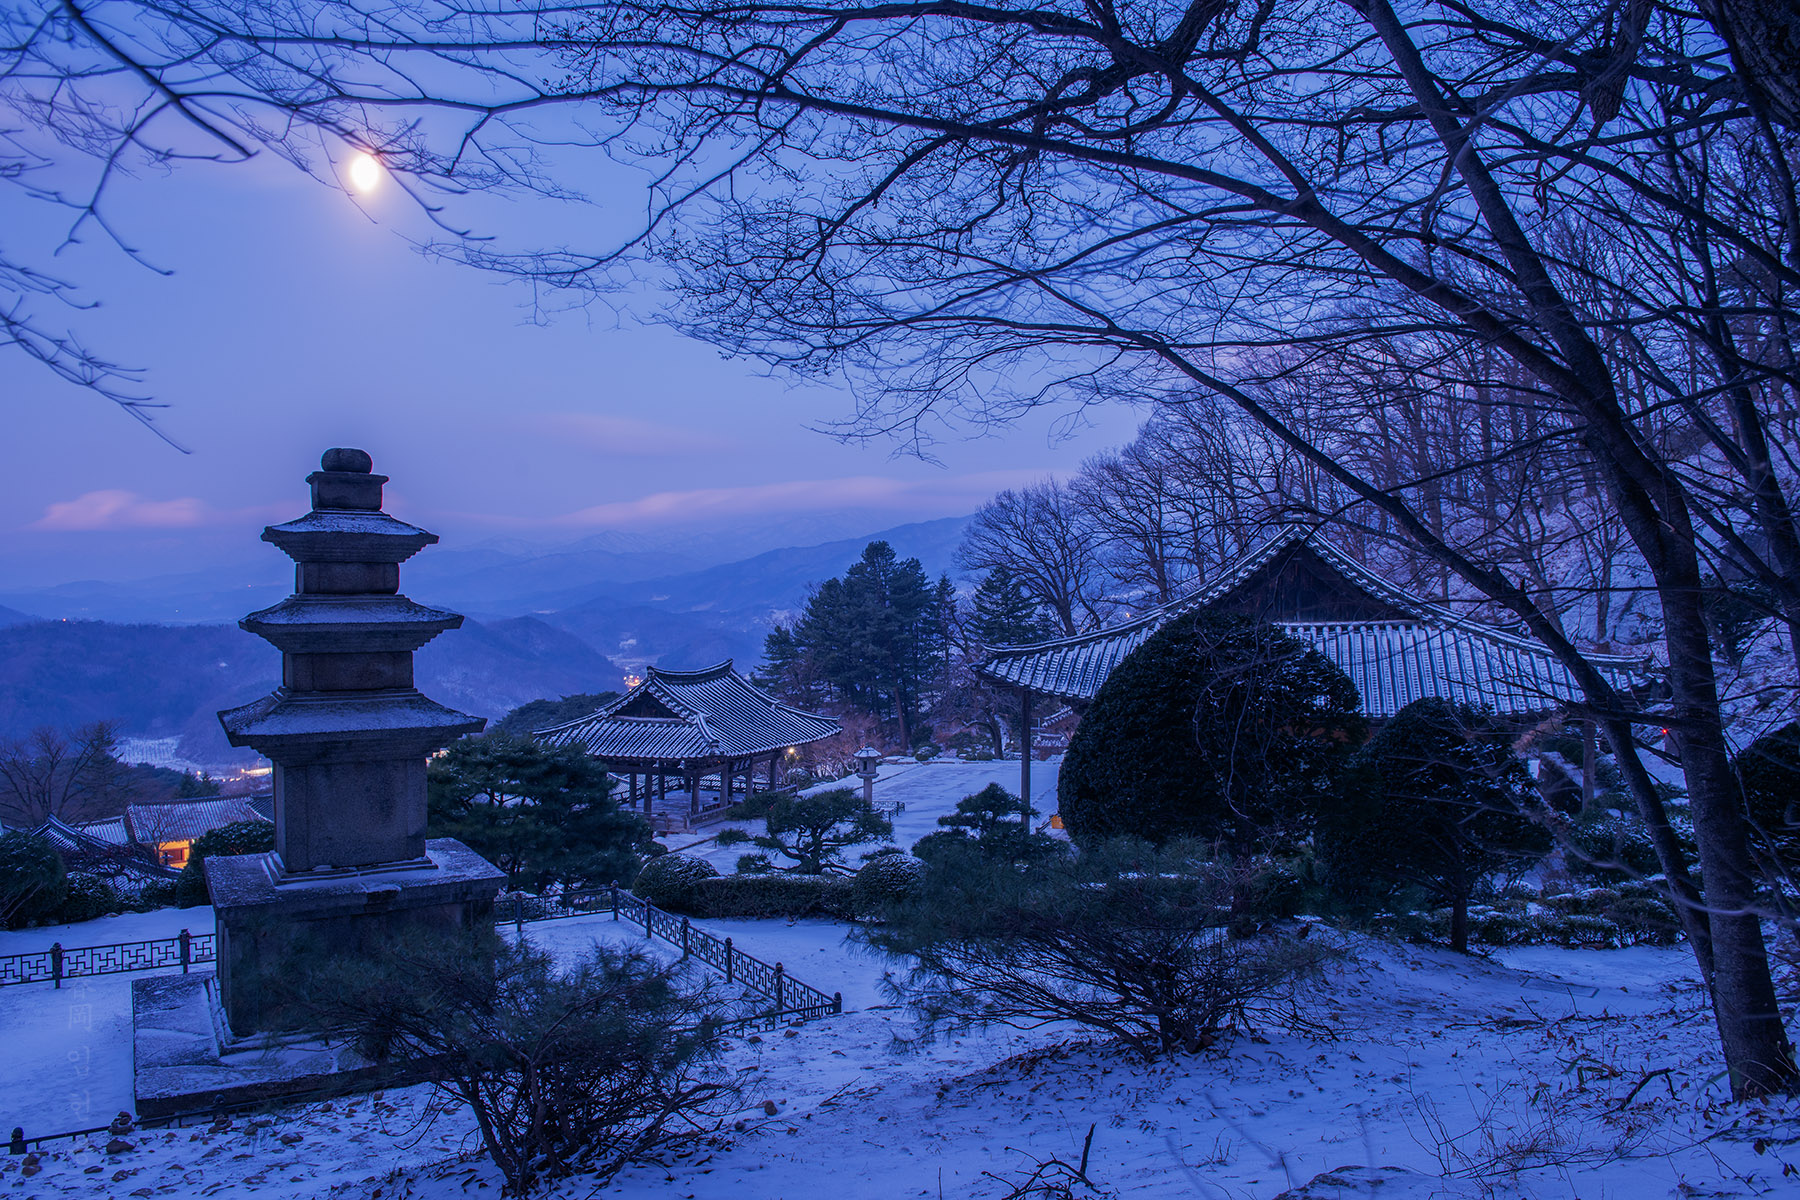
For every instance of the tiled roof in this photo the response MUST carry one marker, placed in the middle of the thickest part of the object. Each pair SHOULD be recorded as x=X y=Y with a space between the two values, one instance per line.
x=185 y=820
x=91 y=848
x=1391 y=662
x=693 y=716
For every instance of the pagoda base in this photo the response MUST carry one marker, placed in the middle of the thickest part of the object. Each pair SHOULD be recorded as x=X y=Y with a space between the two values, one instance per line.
x=185 y=1060
x=272 y=926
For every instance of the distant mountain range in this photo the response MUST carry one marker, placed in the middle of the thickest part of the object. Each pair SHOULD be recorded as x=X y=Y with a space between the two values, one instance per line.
x=159 y=681
x=726 y=611
x=544 y=623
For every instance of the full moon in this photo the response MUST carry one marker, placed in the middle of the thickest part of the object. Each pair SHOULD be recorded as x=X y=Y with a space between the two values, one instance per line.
x=365 y=172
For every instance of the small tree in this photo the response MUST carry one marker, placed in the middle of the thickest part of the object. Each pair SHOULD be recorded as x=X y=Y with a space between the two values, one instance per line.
x=32 y=882
x=1436 y=799
x=1126 y=938
x=581 y=1070
x=1217 y=727
x=812 y=832
x=239 y=837
x=993 y=823
x=541 y=815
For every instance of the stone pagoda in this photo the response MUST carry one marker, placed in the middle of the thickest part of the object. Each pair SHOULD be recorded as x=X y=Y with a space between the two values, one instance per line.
x=349 y=735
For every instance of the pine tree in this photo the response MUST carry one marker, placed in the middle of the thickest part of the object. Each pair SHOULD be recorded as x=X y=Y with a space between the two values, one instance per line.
x=543 y=816
x=874 y=640
x=1003 y=614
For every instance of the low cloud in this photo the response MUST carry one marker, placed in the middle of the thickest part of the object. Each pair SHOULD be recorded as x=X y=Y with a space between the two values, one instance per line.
x=112 y=509
x=948 y=495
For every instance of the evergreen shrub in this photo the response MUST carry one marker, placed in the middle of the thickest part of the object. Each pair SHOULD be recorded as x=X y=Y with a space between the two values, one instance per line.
x=158 y=893
x=1217 y=727
x=1436 y=800
x=994 y=822
x=89 y=896
x=672 y=881
x=578 y=1070
x=1770 y=770
x=1129 y=939
x=32 y=881
x=885 y=879
x=239 y=837
x=1611 y=845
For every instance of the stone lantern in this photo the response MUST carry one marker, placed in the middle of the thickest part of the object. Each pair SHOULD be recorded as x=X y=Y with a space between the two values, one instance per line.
x=349 y=735
x=867 y=760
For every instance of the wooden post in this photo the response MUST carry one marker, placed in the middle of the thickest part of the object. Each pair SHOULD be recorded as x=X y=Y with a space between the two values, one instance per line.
x=56 y=962
x=725 y=774
x=1025 y=753
x=187 y=942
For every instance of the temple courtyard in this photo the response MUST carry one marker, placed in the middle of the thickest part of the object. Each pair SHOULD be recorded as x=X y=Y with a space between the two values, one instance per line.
x=1532 y=1073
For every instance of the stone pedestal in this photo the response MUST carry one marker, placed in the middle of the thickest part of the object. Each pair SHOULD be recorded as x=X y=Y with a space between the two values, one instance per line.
x=273 y=924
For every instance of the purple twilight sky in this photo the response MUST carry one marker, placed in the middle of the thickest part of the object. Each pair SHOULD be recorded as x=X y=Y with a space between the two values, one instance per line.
x=297 y=318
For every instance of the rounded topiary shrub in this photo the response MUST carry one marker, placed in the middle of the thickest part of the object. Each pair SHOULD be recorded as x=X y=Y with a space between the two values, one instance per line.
x=672 y=881
x=239 y=837
x=32 y=883
x=89 y=896
x=1770 y=770
x=883 y=880
x=1217 y=727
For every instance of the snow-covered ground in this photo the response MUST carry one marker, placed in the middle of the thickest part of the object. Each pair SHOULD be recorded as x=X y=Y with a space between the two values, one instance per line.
x=927 y=790
x=1545 y=1073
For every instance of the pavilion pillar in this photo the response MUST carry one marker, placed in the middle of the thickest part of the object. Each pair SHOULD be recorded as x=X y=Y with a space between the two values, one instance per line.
x=1025 y=753
x=725 y=774
x=773 y=759
x=693 y=783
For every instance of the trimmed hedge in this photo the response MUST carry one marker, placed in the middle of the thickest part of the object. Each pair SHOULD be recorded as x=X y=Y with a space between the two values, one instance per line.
x=671 y=881
x=772 y=895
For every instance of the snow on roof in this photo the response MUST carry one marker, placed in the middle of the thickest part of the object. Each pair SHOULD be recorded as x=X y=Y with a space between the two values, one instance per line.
x=1422 y=650
x=186 y=820
x=712 y=714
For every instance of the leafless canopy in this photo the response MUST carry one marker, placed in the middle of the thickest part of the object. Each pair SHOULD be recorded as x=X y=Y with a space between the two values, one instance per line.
x=1579 y=216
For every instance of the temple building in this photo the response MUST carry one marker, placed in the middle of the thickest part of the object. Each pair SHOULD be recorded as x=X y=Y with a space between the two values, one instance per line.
x=686 y=726
x=1394 y=646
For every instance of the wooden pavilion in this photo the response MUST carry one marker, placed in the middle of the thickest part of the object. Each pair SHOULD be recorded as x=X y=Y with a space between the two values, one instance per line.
x=1394 y=646
x=687 y=726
